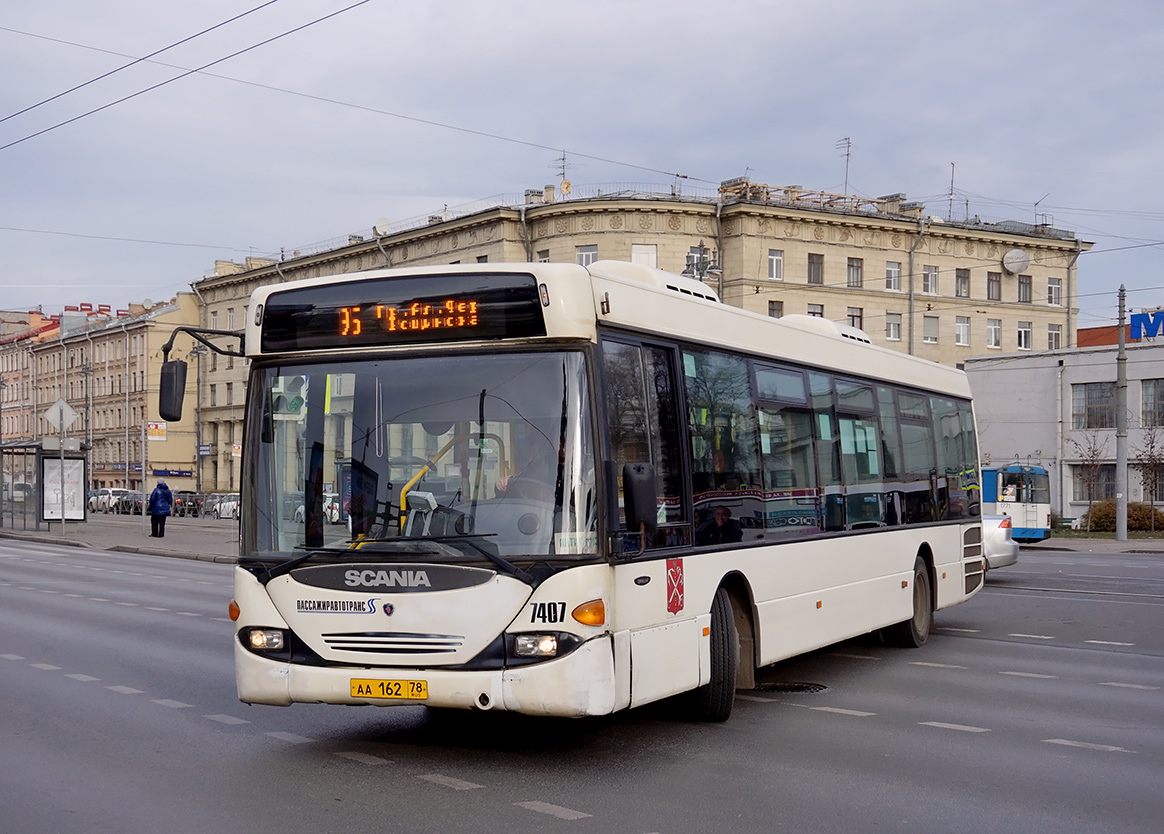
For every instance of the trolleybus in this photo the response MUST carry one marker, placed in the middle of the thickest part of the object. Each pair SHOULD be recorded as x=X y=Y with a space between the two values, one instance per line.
x=1023 y=492
x=569 y=490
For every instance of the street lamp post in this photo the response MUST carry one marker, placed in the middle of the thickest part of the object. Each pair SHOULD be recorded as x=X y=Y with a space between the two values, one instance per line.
x=198 y=352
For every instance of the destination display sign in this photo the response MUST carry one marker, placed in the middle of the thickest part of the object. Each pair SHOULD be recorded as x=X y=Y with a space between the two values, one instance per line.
x=403 y=310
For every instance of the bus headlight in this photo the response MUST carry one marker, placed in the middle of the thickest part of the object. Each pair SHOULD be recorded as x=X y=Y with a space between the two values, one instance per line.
x=265 y=639
x=535 y=645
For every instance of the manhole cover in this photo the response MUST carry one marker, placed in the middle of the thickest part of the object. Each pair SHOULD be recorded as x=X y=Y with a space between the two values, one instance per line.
x=791 y=688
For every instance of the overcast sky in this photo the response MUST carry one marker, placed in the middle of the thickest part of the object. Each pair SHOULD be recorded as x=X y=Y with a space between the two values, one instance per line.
x=397 y=109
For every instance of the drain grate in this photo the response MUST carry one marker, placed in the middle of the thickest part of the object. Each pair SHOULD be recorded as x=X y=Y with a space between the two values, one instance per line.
x=792 y=688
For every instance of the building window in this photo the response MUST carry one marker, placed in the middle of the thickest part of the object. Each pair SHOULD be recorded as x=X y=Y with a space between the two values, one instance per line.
x=1054 y=336
x=646 y=254
x=775 y=264
x=893 y=327
x=230 y=393
x=586 y=255
x=930 y=326
x=856 y=317
x=1152 y=392
x=816 y=269
x=1055 y=291
x=1093 y=405
x=994 y=286
x=994 y=333
x=962 y=330
x=482 y=259
x=543 y=256
x=930 y=280
x=213 y=395
x=776 y=309
x=962 y=283
x=855 y=273
x=1102 y=479
x=816 y=310
x=1024 y=289
x=1024 y=336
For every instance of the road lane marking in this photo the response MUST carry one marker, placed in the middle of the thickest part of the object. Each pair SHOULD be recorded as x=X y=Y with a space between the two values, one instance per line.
x=450 y=782
x=47 y=667
x=363 y=758
x=291 y=737
x=1103 y=748
x=959 y=630
x=960 y=727
x=227 y=719
x=855 y=656
x=155 y=608
x=11 y=657
x=1033 y=636
x=553 y=810
x=125 y=690
x=83 y=678
x=935 y=665
x=1131 y=686
x=1107 y=643
x=756 y=698
x=1030 y=675
x=840 y=711
x=166 y=702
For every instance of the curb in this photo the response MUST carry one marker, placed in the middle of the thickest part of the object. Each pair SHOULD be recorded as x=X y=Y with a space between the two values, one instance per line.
x=120 y=548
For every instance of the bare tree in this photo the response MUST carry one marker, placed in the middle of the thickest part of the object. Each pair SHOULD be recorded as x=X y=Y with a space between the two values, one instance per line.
x=1092 y=449
x=1149 y=459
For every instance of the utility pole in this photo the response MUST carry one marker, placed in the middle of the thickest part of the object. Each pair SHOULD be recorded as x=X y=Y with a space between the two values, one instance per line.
x=1121 y=406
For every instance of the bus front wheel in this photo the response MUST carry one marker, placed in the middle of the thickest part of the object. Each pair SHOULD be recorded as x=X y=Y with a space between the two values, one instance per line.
x=714 y=700
x=914 y=632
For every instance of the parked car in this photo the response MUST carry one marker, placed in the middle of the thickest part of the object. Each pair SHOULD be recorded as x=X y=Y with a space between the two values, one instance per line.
x=129 y=503
x=227 y=506
x=331 y=508
x=105 y=500
x=997 y=545
x=187 y=502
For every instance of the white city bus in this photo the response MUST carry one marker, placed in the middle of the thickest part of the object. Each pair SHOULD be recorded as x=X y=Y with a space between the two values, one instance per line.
x=566 y=490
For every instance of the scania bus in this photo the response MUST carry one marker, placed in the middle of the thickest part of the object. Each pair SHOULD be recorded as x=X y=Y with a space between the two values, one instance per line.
x=567 y=490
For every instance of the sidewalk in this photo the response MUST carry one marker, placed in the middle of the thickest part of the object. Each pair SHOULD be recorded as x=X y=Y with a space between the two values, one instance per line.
x=203 y=539
x=1107 y=546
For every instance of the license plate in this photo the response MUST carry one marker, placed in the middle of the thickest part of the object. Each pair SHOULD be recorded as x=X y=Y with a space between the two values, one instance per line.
x=404 y=690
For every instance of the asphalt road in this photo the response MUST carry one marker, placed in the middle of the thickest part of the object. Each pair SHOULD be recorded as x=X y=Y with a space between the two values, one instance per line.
x=1036 y=707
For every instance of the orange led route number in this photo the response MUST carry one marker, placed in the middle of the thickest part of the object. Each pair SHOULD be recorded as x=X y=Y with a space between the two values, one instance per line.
x=444 y=315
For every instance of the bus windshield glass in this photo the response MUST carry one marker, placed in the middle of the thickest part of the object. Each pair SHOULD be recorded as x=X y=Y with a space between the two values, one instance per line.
x=465 y=458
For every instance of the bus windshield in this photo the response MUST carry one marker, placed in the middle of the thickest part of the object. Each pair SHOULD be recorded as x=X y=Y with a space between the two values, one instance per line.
x=464 y=458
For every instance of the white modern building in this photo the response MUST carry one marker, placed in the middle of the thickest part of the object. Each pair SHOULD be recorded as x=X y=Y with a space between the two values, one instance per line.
x=1057 y=409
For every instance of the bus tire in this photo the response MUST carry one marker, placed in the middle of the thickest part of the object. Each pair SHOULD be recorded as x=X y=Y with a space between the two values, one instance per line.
x=714 y=700
x=913 y=633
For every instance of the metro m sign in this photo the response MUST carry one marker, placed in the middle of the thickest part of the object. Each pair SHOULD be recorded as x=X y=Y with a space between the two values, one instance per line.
x=1147 y=324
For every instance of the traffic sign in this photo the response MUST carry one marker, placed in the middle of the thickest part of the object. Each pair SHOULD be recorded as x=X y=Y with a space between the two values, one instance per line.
x=60 y=415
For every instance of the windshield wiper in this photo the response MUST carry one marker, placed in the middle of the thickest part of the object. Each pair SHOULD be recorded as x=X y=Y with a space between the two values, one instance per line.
x=506 y=566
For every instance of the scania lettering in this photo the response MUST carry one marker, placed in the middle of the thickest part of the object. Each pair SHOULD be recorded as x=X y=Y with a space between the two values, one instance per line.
x=569 y=491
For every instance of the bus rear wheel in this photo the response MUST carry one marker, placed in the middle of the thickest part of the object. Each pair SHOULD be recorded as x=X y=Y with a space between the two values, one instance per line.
x=914 y=632
x=714 y=700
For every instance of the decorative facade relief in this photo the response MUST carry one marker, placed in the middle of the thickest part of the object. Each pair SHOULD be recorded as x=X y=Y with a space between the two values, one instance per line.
x=646 y=221
x=674 y=223
x=792 y=230
x=818 y=232
x=616 y=221
x=588 y=223
x=560 y=225
x=703 y=226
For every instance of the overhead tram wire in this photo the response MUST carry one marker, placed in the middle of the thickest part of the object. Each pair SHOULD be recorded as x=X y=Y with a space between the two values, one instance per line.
x=324 y=99
x=135 y=62
x=185 y=74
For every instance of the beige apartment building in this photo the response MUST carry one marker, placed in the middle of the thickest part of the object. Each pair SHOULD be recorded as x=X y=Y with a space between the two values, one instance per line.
x=934 y=287
x=105 y=364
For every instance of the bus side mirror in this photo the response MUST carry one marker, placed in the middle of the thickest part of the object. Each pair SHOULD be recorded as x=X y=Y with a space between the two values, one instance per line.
x=172 y=390
x=638 y=490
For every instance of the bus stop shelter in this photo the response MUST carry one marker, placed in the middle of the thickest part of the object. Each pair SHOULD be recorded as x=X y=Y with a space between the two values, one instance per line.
x=40 y=483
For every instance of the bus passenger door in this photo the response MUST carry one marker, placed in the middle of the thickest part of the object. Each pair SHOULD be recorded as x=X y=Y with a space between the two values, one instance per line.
x=643 y=425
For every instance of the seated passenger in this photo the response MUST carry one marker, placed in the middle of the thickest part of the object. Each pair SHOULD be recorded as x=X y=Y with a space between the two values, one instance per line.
x=720 y=529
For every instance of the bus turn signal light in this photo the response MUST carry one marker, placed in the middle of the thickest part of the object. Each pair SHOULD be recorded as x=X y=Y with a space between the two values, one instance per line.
x=591 y=613
x=234 y=611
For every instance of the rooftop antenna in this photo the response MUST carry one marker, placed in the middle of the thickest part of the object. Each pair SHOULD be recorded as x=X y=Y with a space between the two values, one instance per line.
x=950 y=210
x=561 y=165
x=846 y=145
x=1045 y=196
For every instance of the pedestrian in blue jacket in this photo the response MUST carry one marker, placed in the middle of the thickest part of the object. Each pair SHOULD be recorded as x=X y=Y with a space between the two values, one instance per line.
x=161 y=499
